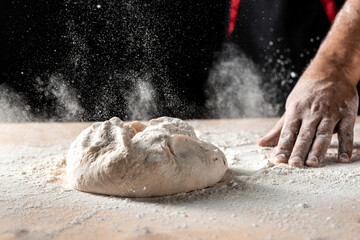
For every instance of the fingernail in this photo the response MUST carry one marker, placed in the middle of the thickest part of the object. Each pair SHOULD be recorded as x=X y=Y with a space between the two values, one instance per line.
x=280 y=158
x=296 y=162
x=312 y=162
x=344 y=158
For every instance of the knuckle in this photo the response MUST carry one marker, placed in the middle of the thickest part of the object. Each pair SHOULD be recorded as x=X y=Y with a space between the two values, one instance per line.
x=326 y=121
x=305 y=135
x=298 y=151
x=346 y=138
x=315 y=107
x=348 y=114
x=347 y=126
x=302 y=143
x=325 y=127
x=294 y=106
x=348 y=134
x=287 y=138
x=313 y=120
x=286 y=135
x=323 y=136
x=284 y=144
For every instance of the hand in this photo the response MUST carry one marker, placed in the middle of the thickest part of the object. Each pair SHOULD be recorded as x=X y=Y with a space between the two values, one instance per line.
x=315 y=109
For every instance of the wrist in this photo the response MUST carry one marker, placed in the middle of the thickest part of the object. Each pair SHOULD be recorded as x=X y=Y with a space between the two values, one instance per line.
x=331 y=67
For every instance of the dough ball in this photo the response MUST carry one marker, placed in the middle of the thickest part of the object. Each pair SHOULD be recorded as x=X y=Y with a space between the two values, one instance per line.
x=135 y=160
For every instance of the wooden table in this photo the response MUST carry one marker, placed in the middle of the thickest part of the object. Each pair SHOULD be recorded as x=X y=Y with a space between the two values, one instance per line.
x=32 y=208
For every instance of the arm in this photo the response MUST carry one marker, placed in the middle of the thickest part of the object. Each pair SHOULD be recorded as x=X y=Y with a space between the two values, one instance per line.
x=325 y=99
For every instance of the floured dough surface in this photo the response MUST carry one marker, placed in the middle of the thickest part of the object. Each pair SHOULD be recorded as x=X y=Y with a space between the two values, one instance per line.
x=135 y=160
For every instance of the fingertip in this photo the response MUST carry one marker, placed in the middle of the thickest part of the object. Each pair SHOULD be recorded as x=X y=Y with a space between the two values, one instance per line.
x=346 y=139
x=280 y=158
x=296 y=162
x=344 y=158
x=261 y=142
x=312 y=162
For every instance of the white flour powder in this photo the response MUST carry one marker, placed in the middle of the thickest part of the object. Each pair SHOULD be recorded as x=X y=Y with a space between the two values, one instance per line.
x=253 y=193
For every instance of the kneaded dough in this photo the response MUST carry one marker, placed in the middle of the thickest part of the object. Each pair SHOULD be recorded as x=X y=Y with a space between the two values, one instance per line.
x=135 y=160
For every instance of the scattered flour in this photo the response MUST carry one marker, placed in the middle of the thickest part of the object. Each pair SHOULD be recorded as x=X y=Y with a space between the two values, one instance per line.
x=314 y=203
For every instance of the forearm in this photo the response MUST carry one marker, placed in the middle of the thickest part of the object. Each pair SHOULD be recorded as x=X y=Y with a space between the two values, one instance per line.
x=324 y=100
x=339 y=54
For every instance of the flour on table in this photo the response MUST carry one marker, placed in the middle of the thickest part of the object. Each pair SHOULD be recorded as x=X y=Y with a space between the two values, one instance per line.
x=135 y=160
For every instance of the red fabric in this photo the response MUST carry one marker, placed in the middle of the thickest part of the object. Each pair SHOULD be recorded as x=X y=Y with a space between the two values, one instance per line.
x=233 y=15
x=330 y=9
x=329 y=6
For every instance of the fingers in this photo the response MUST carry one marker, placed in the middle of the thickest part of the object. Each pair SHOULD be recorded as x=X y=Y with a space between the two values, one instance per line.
x=321 y=142
x=309 y=141
x=271 y=139
x=346 y=138
x=287 y=140
x=303 y=143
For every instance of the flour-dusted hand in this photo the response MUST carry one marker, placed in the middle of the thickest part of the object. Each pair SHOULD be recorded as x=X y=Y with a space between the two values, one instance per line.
x=325 y=99
x=315 y=109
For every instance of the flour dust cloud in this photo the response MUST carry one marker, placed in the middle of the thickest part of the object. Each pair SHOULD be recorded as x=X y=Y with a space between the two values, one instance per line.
x=233 y=88
x=54 y=90
x=13 y=108
x=130 y=59
x=141 y=101
x=66 y=100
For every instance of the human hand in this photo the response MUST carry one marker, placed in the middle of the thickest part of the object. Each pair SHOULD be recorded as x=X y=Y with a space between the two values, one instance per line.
x=315 y=109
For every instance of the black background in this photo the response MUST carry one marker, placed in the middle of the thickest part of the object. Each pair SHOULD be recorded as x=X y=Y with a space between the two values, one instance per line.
x=100 y=51
x=100 y=48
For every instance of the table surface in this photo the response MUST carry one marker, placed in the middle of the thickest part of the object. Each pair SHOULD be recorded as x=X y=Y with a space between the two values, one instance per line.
x=254 y=200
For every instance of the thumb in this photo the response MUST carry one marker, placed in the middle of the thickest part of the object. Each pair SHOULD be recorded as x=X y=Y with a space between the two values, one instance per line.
x=271 y=139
